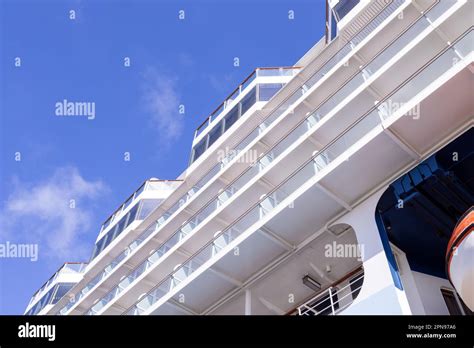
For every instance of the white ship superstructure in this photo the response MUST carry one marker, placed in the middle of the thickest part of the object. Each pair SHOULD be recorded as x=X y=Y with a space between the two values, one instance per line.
x=286 y=206
x=55 y=288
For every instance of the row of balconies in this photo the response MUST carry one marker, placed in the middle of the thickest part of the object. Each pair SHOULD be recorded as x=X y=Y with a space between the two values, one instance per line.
x=204 y=257
x=280 y=111
x=270 y=201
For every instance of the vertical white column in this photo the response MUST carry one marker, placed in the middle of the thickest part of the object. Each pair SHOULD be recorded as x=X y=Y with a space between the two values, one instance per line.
x=377 y=274
x=248 y=302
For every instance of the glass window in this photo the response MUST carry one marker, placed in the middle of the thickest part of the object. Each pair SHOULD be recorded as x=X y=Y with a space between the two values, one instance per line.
x=214 y=134
x=98 y=247
x=127 y=202
x=103 y=242
x=248 y=101
x=41 y=303
x=333 y=27
x=118 y=229
x=199 y=149
x=268 y=90
x=109 y=220
x=140 y=189
x=231 y=117
x=344 y=7
x=147 y=206
x=61 y=290
x=95 y=252
x=132 y=214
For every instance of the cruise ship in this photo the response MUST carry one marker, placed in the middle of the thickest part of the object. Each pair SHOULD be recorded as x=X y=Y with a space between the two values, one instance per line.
x=342 y=184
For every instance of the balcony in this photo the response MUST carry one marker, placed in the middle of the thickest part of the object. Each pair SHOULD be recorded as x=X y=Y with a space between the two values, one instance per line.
x=317 y=167
x=56 y=286
x=300 y=132
x=322 y=73
x=259 y=86
x=335 y=299
x=242 y=89
x=148 y=185
x=136 y=208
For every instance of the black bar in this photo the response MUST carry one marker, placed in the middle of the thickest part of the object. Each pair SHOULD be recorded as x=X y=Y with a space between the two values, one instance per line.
x=222 y=330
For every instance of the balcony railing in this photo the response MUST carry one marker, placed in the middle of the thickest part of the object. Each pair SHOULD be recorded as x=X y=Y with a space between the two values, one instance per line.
x=106 y=271
x=148 y=185
x=286 y=105
x=306 y=125
x=265 y=71
x=261 y=91
x=334 y=299
x=279 y=195
x=68 y=267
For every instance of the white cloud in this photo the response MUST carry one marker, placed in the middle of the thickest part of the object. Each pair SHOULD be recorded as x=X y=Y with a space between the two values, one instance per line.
x=42 y=213
x=162 y=104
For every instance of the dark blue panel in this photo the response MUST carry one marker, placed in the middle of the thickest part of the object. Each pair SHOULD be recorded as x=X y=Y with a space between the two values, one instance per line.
x=420 y=209
x=388 y=251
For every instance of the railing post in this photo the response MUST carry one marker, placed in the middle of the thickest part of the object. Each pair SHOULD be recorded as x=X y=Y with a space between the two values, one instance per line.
x=332 y=303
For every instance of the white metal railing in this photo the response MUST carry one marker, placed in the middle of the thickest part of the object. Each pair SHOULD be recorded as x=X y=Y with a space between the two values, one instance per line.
x=148 y=185
x=242 y=88
x=269 y=157
x=329 y=301
x=66 y=268
x=322 y=160
x=280 y=110
x=408 y=35
x=369 y=121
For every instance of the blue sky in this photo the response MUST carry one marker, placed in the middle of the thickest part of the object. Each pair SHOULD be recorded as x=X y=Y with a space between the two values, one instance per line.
x=173 y=62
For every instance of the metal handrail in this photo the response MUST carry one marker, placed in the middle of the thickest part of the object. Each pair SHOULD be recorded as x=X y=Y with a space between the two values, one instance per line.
x=230 y=185
x=310 y=304
x=53 y=277
x=120 y=208
x=312 y=75
x=312 y=158
x=375 y=107
x=347 y=81
x=332 y=305
x=207 y=120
